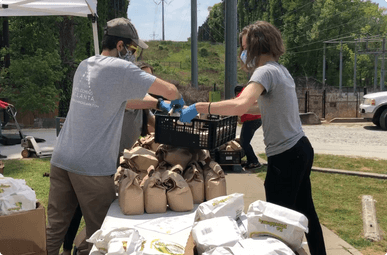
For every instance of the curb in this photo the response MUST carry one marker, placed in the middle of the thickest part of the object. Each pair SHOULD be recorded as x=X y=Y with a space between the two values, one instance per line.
x=337 y=171
x=348 y=120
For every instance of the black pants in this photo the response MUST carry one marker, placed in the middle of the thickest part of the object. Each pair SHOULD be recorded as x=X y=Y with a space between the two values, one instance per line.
x=73 y=229
x=247 y=133
x=288 y=184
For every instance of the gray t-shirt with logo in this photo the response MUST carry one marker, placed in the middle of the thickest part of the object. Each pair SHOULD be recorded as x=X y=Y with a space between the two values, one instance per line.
x=88 y=143
x=281 y=122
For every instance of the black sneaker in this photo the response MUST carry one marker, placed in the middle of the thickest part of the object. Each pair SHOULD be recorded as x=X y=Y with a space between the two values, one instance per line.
x=253 y=166
x=3 y=156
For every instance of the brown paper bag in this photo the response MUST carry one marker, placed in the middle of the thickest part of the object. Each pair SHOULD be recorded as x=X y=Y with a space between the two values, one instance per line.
x=1 y=167
x=124 y=163
x=235 y=146
x=223 y=147
x=143 y=162
x=163 y=166
x=229 y=148
x=149 y=142
x=155 y=194
x=130 y=194
x=138 y=151
x=179 y=194
x=199 y=155
x=174 y=155
x=193 y=175
x=214 y=181
x=150 y=171
x=177 y=169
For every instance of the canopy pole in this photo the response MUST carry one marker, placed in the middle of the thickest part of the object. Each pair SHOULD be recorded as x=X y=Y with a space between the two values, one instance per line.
x=95 y=34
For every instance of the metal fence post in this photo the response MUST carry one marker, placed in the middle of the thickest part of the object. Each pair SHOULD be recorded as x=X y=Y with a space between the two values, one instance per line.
x=324 y=98
x=306 y=101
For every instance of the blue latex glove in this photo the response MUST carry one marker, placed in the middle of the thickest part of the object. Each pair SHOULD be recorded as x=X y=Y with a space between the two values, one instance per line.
x=165 y=107
x=187 y=114
x=178 y=103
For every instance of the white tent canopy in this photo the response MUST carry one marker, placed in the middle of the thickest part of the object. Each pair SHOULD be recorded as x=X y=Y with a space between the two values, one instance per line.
x=82 y=8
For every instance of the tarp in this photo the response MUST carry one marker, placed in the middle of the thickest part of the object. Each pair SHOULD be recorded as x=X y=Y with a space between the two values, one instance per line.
x=81 y=8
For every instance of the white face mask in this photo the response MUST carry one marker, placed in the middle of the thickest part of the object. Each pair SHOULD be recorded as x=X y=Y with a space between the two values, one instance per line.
x=128 y=56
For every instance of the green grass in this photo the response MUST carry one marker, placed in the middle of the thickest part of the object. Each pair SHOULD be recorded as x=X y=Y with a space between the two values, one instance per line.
x=377 y=166
x=211 y=59
x=337 y=197
x=32 y=170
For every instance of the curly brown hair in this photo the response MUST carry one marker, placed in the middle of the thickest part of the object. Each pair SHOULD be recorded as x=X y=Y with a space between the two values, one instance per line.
x=262 y=38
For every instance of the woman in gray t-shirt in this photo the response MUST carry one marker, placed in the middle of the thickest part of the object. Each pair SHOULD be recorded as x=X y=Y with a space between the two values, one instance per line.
x=271 y=92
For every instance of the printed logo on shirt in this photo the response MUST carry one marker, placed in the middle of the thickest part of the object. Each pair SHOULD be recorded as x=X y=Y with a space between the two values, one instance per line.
x=84 y=95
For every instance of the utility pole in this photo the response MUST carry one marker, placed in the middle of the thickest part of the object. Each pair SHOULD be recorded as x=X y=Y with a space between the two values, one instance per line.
x=153 y=35
x=194 y=44
x=162 y=6
x=231 y=48
x=162 y=1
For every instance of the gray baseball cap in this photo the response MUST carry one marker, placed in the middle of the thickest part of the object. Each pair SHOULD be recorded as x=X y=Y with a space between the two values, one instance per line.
x=122 y=27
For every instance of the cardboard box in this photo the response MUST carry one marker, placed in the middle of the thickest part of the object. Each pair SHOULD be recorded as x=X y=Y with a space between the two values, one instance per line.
x=1 y=167
x=24 y=233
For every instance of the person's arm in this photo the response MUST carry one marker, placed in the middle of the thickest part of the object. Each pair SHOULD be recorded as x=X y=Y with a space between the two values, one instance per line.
x=151 y=121
x=237 y=106
x=164 y=89
x=254 y=109
x=148 y=102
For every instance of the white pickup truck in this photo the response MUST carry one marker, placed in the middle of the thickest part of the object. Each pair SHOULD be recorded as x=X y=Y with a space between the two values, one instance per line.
x=374 y=107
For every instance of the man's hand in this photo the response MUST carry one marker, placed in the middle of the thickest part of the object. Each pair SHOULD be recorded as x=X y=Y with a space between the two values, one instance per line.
x=187 y=114
x=178 y=103
x=162 y=105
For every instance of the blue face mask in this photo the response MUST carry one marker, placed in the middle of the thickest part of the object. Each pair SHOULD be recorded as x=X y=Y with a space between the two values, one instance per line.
x=244 y=56
x=244 y=59
x=128 y=56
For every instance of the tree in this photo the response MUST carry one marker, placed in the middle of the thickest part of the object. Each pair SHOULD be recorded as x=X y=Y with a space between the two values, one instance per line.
x=30 y=81
x=216 y=22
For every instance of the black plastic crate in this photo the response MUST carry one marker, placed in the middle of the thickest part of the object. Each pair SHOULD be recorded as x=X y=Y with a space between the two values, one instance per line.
x=228 y=157
x=200 y=133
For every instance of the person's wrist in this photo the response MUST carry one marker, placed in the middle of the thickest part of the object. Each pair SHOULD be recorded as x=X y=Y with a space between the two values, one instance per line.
x=159 y=100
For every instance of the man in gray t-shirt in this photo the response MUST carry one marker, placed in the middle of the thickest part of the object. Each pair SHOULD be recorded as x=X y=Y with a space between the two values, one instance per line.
x=84 y=159
x=133 y=122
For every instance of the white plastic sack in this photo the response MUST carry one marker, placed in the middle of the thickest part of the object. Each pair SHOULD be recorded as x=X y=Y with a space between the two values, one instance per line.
x=15 y=196
x=242 y=224
x=211 y=233
x=267 y=219
x=224 y=251
x=231 y=205
x=10 y=186
x=161 y=247
x=253 y=246
x=117 y=241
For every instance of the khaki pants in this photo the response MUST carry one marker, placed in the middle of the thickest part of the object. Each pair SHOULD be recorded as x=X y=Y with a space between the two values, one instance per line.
x=93 y=193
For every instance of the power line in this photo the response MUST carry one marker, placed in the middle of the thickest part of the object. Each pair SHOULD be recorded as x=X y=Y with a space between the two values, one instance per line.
x=162 y=2
x=301 y=46
x=319 y=42
x=294 y=10
x=154 y=23
x=312 y=24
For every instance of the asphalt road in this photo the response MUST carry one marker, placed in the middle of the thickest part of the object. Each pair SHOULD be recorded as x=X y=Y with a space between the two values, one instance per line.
x=348 y=139
x=362 y=139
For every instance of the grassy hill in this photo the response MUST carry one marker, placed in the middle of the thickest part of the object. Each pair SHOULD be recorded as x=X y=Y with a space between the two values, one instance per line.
x=172 y=62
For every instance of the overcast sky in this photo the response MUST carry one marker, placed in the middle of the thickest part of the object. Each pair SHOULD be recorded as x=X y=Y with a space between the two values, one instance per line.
x=146 y=15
